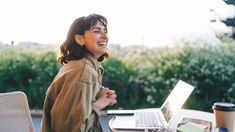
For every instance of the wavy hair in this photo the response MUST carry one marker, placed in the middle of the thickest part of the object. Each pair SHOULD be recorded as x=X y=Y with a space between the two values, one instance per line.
x=70 y=50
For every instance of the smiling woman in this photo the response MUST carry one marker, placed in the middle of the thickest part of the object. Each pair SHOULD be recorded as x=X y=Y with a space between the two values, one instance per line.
x=95 y=40
x=74 y=99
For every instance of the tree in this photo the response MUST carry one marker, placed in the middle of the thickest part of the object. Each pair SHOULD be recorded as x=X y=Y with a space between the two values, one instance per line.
x=224 y=17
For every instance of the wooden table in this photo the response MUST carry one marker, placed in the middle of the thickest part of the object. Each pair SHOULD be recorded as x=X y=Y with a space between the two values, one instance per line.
x=177 y=119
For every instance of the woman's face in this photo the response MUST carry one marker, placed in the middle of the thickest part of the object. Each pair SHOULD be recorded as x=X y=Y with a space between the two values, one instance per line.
x=96 y=40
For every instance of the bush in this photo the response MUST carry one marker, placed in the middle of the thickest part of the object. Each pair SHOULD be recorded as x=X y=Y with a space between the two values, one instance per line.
x=120 y=78
x=209 y=68
x=141 y=79
x=29 y=72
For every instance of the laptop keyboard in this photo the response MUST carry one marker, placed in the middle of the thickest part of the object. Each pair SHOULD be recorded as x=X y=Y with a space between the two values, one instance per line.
x=148 y=119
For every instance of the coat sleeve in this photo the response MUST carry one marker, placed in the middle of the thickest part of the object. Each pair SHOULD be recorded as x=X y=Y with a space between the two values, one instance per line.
x=69 y=103
x=72 y=109
x=46 y=118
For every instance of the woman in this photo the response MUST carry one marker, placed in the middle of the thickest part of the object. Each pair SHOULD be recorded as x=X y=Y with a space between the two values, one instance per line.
x=75 y=97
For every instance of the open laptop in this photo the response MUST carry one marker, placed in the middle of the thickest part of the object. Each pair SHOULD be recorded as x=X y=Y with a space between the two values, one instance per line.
x=161 y=116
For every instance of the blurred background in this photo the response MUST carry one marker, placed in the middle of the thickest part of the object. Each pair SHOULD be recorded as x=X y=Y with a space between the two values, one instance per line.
x=152 y=45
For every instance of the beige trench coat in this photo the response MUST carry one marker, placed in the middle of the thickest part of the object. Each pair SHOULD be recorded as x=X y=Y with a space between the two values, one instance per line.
x=68 y=105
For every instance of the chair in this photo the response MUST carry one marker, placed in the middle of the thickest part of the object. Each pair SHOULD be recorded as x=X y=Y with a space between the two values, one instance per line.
x=15 y=113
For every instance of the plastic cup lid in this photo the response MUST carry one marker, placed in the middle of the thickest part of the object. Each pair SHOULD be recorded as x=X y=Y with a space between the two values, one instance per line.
x=224 y=106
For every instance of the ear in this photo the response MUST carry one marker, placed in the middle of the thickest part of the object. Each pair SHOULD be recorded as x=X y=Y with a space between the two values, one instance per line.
x=79 y=39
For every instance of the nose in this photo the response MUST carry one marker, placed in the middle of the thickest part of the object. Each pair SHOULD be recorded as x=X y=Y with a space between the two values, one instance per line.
x=105 y=36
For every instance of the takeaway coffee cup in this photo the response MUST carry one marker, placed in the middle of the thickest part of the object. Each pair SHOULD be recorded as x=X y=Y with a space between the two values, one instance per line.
x=224 y=115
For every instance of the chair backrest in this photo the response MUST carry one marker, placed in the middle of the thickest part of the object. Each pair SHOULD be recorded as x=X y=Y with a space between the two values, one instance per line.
x=15 y=113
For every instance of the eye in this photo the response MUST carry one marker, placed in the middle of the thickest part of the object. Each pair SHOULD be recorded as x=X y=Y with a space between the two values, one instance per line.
x=99 y=31
x=96 y=31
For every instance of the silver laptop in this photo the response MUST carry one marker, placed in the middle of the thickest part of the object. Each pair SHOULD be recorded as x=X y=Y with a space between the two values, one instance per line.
x=155 y=118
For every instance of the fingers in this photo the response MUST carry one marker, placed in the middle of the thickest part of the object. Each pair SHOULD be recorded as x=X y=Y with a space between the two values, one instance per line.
x=103 y=88
x=110 y=95
x=102 y=91
x=113 y=102
x=111 y=92
x=106 y=90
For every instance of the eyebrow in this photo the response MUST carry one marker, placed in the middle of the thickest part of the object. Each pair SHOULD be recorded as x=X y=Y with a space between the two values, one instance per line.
x=99 y=28
x=95 y=28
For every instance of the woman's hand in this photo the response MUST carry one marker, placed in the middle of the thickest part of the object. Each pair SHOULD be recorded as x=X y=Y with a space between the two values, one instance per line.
x=105 y=97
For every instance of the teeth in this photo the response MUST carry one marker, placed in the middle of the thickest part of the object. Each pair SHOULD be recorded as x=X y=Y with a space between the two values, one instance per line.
x=102 y=44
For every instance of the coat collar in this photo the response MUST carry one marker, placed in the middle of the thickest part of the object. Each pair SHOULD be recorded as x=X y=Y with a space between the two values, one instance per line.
x=94 y=62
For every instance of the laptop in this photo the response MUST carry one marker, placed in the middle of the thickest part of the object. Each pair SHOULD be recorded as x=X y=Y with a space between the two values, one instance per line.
x=161 y=116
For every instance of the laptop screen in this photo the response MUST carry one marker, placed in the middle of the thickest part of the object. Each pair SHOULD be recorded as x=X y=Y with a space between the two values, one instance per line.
x=176 y=99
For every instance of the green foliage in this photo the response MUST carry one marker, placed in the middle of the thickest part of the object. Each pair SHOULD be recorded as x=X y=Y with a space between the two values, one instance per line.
x=141 y=79
x=29 y=72
x=209 y=68
x=120 y=78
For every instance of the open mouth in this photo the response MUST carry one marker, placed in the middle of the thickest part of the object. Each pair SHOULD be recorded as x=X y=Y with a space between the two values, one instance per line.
x=102 y=44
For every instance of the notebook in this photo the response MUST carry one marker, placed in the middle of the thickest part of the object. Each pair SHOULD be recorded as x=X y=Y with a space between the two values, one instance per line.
x=161 y=116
